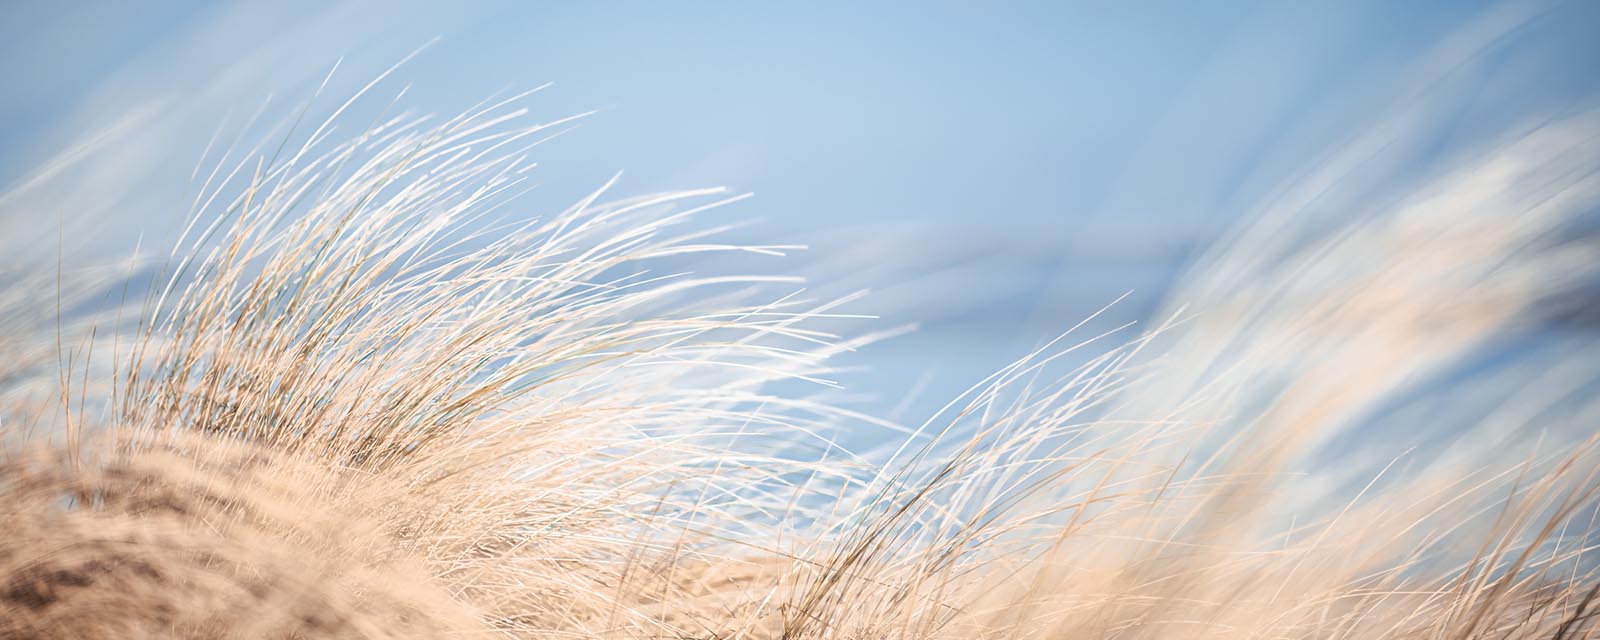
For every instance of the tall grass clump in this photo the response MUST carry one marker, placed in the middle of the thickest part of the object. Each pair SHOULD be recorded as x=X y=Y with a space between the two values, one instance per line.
x=358 y=400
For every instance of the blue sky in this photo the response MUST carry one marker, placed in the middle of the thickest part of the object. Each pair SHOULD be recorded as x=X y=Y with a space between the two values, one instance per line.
x=998 y=170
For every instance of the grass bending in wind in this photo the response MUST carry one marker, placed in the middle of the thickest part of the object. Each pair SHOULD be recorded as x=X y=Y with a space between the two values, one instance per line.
x=359 y=404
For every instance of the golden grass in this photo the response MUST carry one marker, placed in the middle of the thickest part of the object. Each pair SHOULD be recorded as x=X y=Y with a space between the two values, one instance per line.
x=355 y=406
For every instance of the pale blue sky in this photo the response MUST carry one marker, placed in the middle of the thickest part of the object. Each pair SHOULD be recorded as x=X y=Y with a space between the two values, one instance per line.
x=1018 y=164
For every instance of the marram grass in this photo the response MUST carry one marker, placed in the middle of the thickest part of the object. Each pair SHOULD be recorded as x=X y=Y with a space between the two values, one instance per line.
x=358 y=402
